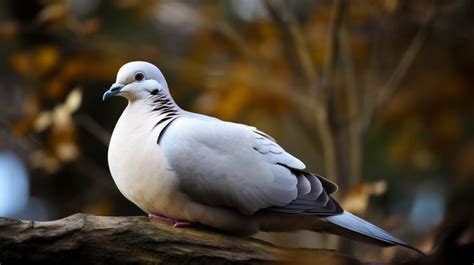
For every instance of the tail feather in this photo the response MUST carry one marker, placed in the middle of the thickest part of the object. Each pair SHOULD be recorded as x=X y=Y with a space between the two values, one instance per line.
x=351 y=226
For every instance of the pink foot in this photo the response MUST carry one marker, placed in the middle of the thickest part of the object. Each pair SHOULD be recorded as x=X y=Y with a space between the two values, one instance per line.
x=175 y=222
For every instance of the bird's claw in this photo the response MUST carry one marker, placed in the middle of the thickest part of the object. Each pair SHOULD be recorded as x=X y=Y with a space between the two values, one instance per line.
x=183 y=224
x=175 y=222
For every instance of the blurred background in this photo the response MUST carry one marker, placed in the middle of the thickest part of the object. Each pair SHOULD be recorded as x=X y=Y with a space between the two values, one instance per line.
x=375 y=95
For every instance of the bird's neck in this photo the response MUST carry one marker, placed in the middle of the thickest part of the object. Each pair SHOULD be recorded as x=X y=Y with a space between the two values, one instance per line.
x=160 y=105
x=154 y=113
x=163 y=105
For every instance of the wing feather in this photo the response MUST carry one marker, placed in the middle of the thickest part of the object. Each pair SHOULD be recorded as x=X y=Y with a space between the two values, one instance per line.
x=241 y=167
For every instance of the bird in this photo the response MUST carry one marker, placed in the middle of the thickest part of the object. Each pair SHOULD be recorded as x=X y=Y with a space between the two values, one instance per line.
x=189 y=169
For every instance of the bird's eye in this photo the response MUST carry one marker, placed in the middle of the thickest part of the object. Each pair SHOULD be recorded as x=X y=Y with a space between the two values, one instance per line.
x=139 y=77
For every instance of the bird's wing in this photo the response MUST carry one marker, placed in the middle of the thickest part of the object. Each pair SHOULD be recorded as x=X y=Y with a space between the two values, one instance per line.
x=234 y=165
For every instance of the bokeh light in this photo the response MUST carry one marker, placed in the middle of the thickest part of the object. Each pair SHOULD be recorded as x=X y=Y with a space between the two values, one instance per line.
x=14 y=184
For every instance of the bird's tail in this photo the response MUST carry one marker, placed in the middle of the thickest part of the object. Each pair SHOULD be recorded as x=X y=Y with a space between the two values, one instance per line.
x=353 y=227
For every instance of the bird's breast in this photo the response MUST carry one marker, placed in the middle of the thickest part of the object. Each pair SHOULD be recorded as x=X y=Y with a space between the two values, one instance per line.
x=138 y=167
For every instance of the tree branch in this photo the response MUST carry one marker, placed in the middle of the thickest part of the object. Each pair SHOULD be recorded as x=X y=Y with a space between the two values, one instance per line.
x=393 y=83
x=326 y=123
x=353 y=111
x=88 y=239
x=337 y=19
x=93 y=127
x=301 y=47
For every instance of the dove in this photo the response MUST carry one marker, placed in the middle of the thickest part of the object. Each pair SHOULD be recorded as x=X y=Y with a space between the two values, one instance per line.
x=186 y=168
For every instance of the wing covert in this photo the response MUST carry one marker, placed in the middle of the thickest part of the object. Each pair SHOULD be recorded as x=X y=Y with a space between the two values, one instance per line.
x=238 y=166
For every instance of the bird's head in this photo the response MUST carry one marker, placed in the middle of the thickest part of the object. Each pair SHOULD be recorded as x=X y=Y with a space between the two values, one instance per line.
x=137 y=80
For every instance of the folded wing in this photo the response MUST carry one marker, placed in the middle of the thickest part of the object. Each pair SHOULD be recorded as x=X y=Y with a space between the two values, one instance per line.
x=241 y=167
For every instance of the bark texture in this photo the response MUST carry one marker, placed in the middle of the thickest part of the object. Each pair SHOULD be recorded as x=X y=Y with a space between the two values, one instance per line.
x=89 y=239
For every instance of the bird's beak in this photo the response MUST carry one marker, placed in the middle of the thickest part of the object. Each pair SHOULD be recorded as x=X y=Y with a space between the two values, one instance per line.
x=113 y=90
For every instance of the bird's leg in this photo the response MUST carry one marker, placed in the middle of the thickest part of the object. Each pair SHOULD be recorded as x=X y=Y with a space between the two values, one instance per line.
x=175 y=222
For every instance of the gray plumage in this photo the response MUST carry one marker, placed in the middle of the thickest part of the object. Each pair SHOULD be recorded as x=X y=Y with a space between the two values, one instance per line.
x=229 y=176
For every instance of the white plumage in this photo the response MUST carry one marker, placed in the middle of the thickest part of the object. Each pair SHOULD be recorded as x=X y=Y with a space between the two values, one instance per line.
x=187 y=167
